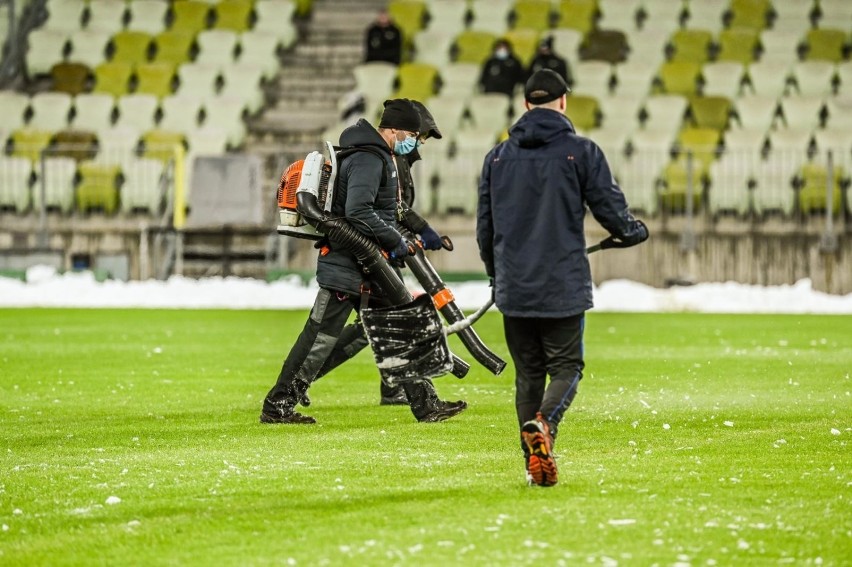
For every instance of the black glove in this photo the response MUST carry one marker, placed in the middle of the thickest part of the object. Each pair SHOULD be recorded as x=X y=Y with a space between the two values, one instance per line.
x=640 y=235
x=400 y=250
x=431 y=239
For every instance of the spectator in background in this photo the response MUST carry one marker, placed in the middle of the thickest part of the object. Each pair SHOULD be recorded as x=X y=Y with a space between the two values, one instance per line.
x=384 y=40
x=502 y=72
x=546 y=58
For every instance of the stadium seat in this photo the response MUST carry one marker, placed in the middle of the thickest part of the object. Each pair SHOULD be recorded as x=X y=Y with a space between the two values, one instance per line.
x=227 y=113
x=209 y=141
x=577 y=14
x=756 y=112
x=76 y=144
x=640 y=171
x=15 y=180
x=679 y=77
x=707 y=14
x=144 y=186
x=489 y=112
x=50 y=110
x=664 y=113
x=233 y=15
x=592 y=78
x=635 y=78
x=605 y=45
x=432 y=47
x=490 y=16
x=618 y=14
x=620 y=112
x=780 y=46
x=710 y=112
x=663 y=11
x=132 y=47
x=460 y=80
x=118 y=145
x=98 y=187
x=844 y=78
x=723 y=78
x=93 y=111
x=566 y=43
x=148 y=16
x=531 y=15
x=524 y=43
x=447 y=16
x=243 y=82
x=473 y=46
x=113 y=78
x=703 y=143
x=58 y=179
x=65 y=15
x=13 y=109
x=29 y=142
x=190 y=16
x=155 y=78
x=89 y=46
x=679 y=178
x=648 y=46
x=71 y=78
x=198 y=80
x=744 y=142
x=161 y=144
x=834 y=11
x=137 y=111
x=448 y=111
x=584 y=112
x=275 y=18
x=107 y=15
x=174 y=46
x=751 y=14
x=812 y=182
x=792 y=15
x=613 y=142
x=729 y=179
x=259 y=48
x=417 y=81
x=219 y=46
x=409 y=16
x=180 y=113
x=802 y=111
x=691 y=45
x=45 y=48
x=839 y=112
x=768 y=78
x=457 y=189
x=793 y=141
x=739 y=44
x=813 y=77
x=826 y=44
x=839 y=143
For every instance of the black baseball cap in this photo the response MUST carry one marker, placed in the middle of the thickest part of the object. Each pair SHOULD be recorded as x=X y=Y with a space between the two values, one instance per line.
x=428 y=127
x=544 y=86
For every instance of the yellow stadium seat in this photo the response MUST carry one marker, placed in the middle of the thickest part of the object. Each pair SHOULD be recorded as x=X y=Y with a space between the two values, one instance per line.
x=473 y=46
x=532 y=14
x=190 y=16
x=577 y=14
x=583 y=111
x=233 y=15
x=711 y=112
x=676 y=178
x=738 y=44
x=679 y=77
x=812 y=181
x=417 y=81
x=155 y=78
x=131 y=47
x=750 y=14
x=691 y=45
x=160 y=144
x=826 y=44
x=174 y=47
x=113 y=78
x=98 y=188
x=29 y=143
x=702 y=142
x=524 y=43
x=409 y=16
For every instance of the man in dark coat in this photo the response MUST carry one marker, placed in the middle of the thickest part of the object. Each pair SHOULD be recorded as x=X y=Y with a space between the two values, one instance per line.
x=533 y=194
x=501 y=72
x=367 y=194
x=383 y=40
x=546 y=58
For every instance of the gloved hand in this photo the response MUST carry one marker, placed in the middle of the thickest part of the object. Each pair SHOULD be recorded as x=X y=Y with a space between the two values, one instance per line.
x=431 y=239
x=641 y=235
x=399 y=251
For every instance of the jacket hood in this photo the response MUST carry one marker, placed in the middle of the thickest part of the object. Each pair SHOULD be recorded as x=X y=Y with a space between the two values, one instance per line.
x=362 y=133
x=538 y=126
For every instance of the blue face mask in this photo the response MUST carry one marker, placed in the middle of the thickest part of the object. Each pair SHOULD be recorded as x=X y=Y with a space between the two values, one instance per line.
x=404 y=147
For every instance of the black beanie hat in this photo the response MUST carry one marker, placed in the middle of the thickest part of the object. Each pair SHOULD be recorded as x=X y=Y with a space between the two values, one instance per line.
x=400 y=114
x=544 y=86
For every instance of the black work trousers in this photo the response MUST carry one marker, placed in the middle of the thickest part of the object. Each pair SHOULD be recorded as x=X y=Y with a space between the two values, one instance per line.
x=326 y=342
x=540 y=347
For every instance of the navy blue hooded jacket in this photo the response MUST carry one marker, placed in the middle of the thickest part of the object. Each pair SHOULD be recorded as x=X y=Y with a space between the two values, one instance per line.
x=533 y=194
x=366 y=196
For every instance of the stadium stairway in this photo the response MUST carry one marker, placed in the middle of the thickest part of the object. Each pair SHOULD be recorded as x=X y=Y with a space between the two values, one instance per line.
x=314 y=76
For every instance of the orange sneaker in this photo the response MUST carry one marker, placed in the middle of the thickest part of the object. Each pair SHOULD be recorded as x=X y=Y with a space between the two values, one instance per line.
x=541 y=468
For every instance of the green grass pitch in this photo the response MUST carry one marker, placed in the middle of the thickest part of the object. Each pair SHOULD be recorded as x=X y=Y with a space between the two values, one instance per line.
x=131 y=437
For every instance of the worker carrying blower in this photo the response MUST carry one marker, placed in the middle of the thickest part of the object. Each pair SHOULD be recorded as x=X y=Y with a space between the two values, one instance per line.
x=533 y=195
x=367 y=195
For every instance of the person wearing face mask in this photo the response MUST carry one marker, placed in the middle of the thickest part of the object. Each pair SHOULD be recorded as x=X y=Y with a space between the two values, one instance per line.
x=502 y=72
x=368 y=194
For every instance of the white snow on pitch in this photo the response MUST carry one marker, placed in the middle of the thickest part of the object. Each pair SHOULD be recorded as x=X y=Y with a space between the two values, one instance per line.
x=46 y=288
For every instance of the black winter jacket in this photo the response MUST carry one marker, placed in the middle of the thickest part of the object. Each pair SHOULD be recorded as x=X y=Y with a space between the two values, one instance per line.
x=367 y=200
x=533 y=194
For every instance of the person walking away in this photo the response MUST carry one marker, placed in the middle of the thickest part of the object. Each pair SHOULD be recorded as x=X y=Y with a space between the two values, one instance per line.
x=533 y=194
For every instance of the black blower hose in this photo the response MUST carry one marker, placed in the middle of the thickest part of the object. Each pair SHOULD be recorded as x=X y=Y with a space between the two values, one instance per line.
x=368 y=254
x=432 y=283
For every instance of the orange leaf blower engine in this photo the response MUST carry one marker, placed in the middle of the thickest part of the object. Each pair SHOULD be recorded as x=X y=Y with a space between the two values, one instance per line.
x=316 y=175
